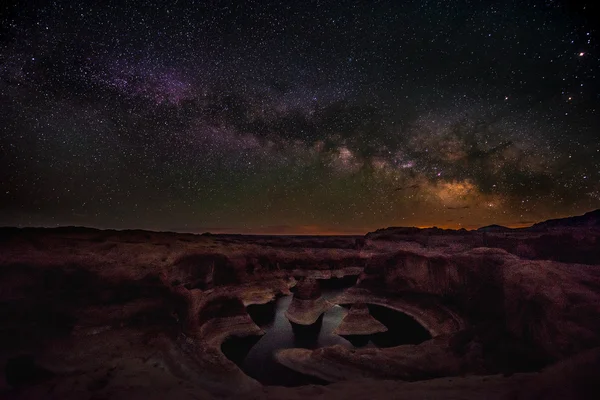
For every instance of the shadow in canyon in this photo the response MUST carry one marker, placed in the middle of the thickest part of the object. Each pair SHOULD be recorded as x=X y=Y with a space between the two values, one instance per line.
x=402 y=328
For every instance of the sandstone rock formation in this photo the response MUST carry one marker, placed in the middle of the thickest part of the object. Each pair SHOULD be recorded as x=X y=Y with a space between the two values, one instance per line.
x=426 y=309
x=431 y=359
x=132 y=314
x=359 y=321
x=501 y=319
x=572 y=378
x=307 y=304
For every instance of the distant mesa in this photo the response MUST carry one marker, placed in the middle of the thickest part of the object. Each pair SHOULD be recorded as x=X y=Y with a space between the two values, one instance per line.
x=589 y=219
x=397 y=230
x=494 y=228
x=400 y=231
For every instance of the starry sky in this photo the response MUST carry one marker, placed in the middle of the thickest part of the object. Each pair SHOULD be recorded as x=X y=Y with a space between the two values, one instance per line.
x=308 y=117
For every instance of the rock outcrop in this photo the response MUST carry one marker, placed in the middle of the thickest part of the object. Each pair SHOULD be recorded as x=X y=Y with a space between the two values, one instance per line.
x=572 y=378
x=219 y=319
x=307 y=305
x=359 y=321
x=495 y=289
x=427 y=310
x=488 y=312
x=431 y=359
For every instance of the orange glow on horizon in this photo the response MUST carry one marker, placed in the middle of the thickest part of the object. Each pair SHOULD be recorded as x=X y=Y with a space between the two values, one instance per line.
x=314 y=230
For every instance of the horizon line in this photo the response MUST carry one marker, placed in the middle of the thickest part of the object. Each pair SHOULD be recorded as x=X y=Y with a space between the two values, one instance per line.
x=303 y=230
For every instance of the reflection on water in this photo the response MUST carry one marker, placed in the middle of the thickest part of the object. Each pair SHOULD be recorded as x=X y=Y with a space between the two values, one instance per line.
x=263 y=314
x=259 y=361
x=359 y=340
x=307 y=336
x=255 y=356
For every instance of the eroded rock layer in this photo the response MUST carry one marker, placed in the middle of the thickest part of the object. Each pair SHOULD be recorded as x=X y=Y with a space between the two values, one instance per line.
x=359 y=321
x=307 y=304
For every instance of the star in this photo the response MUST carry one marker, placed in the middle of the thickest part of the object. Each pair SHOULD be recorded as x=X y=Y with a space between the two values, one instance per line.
x=247 y=117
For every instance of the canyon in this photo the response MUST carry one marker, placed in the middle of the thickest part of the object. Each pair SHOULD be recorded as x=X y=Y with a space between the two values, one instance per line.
x=495 y=312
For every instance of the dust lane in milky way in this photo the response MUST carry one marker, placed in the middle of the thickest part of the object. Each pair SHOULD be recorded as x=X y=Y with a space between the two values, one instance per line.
x=297 y=117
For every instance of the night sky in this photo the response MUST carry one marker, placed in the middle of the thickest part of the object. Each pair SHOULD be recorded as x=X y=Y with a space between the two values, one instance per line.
x=297 y=117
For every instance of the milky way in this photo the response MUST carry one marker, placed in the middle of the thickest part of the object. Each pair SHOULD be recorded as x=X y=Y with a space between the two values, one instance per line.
x=297 y=117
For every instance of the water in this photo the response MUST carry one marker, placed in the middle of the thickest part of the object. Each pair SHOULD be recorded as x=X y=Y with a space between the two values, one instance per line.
x=255 y=356
x=259 y=361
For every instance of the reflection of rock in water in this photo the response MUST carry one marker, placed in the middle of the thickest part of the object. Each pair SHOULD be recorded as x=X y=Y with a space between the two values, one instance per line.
x=402 y=329
x=237 y=348
x=259 y=363
x=269 y=372
x=257 y=359
x=307 y=335
x=263 y=314
x=358 y=340
x=358 y=321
